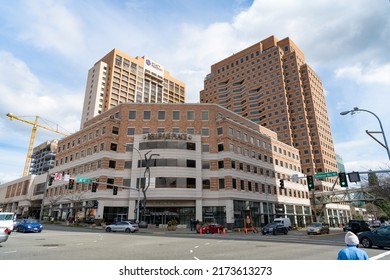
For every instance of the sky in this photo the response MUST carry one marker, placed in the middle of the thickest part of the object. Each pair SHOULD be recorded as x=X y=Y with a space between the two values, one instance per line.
x=48 y=46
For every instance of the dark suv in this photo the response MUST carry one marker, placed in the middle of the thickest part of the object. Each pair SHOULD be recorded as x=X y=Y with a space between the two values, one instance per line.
x=357 y=226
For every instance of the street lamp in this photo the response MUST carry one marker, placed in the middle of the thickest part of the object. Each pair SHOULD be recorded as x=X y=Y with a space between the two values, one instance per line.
x=138 y=181
x=369 y=132
x=147 y=170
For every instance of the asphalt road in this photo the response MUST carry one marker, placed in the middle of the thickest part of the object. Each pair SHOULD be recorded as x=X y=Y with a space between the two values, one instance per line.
x=68 y=243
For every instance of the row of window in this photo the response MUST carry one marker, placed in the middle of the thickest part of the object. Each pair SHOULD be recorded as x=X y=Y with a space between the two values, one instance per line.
x=162 y=115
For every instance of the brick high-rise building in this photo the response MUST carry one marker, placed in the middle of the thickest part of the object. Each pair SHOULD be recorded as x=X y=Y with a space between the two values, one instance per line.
x=271 y=84
x=119 y=78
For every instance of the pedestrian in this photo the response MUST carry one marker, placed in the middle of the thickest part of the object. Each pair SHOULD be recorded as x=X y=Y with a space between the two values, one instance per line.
x=192 y=224
x=352 y=251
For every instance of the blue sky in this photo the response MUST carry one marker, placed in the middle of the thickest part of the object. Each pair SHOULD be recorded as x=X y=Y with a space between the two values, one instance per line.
x=47 y=47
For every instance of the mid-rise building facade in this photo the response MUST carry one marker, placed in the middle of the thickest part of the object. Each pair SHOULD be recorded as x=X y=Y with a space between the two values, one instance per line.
x=119 y=78
x=271 y=84
x=43 y=157
x=198 y=161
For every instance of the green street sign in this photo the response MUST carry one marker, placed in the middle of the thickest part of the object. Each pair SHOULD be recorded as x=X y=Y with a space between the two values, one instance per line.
x=325 y=175
x=83 y=180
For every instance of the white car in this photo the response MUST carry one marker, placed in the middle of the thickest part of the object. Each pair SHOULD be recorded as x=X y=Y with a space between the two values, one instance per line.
x=4 y=233
x=318 y=228
x=122 y=226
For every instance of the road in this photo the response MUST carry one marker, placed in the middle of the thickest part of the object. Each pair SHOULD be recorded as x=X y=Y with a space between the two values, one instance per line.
x=68 y=243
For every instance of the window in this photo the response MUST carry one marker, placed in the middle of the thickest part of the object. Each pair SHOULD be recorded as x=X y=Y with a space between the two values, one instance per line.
x=113 y=146
x=190 y=130
x=112 y=164
x=190 y=115
x=220 y=147
x=176 y=115
x=128 y=164
x=234 y=183
x=147 y=115
x=115 y=130
x=205 y=115
x=110 y=181
x=206 y=184
x=221 y=183
x=205 y=165
x=130 y=130
x=132 y=115
x=220 y=130
x=205 y=132
x=161 y=115
x=231 y=147
x=220 y=164
x=205 y=148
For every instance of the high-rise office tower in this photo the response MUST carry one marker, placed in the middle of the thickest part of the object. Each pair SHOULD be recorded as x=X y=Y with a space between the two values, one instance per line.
x=119 y=78
x=271 y=84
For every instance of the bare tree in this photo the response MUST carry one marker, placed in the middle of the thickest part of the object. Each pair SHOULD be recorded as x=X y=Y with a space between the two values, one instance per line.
x=380 y=183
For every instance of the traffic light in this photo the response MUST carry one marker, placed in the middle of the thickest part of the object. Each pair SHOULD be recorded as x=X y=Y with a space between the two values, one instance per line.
x=281 y=183
x=71 y=184
x=94 y=186
x=51 y=179
x=115 y=190
x=343 y=179
x=310 y=182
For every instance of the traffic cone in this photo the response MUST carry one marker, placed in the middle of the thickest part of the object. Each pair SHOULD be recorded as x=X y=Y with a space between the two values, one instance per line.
x=224 y=231
x=246 y=231
x=239 y=231
x=200 y=231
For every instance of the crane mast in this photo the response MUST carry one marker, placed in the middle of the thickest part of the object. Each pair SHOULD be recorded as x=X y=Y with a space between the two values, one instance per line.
x=35 y=125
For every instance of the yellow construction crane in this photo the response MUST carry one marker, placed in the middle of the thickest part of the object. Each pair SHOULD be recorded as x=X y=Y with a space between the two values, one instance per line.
x=32 y=138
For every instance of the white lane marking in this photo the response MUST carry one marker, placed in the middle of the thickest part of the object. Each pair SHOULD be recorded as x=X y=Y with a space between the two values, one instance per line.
x=9 y=252
x=196 y=258
x=377 y=257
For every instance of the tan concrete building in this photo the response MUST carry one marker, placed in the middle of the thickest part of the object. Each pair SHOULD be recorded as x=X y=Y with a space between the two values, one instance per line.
x=271 y=84
x=119 y=78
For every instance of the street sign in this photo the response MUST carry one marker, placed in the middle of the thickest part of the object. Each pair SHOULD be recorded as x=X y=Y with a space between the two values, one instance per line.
x=325 y=175
x=83 y=180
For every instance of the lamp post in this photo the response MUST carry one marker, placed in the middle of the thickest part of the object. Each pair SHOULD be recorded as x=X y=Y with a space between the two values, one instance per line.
x=147 y=170
x=356 y=109
x=138 y=181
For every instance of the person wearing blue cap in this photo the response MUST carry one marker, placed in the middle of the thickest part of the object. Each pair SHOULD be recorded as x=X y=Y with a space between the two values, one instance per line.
x=352 y=251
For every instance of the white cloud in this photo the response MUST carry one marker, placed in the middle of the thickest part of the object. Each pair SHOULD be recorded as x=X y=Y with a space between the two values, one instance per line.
x=370 y=74
x=48 y=24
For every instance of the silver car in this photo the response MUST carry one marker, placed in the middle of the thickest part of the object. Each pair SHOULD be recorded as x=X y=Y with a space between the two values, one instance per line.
x=4 y=233
x=122 y=226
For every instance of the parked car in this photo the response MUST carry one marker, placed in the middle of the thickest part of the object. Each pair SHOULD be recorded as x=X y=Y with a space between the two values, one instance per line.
x=122 y=226
x=29 y=225
x=210 y=228
x=4 y=233
x=379 y=237
x=274 y=228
